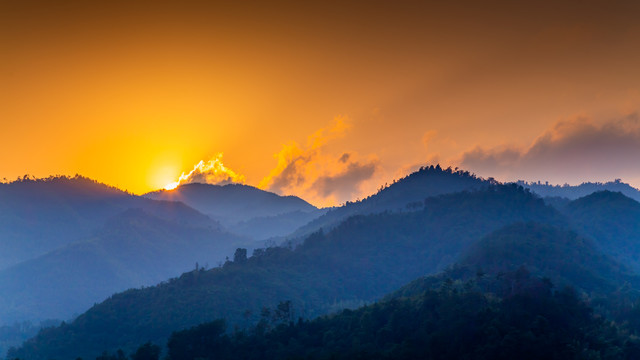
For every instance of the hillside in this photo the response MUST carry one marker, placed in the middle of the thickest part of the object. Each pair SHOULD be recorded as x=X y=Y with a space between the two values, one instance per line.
x=612 y=220
x=518 y=303
x=359 y=261
x=233 y=204
x=450 y=323
x=402 y=195
x=547 y=251
x=39 y=216
x=132 y=249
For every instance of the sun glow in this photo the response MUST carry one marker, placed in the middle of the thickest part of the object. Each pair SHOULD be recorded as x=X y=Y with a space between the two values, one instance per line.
x=172 y=185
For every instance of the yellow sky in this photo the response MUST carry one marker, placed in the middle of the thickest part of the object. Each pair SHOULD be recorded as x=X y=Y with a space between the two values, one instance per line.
x=135 y=93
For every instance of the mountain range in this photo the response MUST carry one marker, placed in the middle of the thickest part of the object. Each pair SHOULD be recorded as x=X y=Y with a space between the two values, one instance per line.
x=243 y=209
x=74 y=241
x=434 y=228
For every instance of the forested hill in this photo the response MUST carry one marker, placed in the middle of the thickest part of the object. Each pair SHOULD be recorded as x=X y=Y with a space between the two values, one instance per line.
x=360 y=260
x=612 y=220
x=402 y=195
x=40 y=215
x=557 y=253
x=232 y=203
x=534 y=321
x=573 y=192
x=37 y=216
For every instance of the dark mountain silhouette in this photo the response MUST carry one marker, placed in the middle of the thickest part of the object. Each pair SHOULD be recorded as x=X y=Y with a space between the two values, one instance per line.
x=573 y=192
x=403 y=195
x=612 y=220
x=358 y=261
x=452 y=322
x=132 y=249
x=238 y=207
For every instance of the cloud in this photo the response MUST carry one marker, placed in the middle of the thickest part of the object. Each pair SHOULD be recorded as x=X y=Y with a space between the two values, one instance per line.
x=210 y=172
x=311 y=172
x=572 y=150
x=344 y=184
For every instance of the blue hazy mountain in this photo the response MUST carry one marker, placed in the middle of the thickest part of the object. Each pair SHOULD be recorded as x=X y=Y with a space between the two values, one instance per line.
x=244 y=209
x=132 y=249
x=38 y=216
x=573 y=192
x=612 y=220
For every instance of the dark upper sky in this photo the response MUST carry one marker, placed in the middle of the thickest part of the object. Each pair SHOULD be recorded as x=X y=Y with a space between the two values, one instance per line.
x=351 y=94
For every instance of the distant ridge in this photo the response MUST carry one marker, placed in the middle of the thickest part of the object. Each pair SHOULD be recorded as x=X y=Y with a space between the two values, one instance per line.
x=573 y=192
x=235 y=204
x=404 y=194
x=39 y=215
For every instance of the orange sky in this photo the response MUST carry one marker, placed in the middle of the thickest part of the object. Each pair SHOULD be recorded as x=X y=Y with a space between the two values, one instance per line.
x=324 y=100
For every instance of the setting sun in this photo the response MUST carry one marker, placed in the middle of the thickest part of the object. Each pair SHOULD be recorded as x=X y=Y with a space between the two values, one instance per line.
x=172 y=185
x=163 y=177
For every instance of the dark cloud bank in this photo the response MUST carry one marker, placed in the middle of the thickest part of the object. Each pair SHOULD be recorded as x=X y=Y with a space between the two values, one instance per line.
x=572 y=151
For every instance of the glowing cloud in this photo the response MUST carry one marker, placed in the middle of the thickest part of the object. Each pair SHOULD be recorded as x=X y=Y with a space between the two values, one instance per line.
x=210 y=172
x=314 y=174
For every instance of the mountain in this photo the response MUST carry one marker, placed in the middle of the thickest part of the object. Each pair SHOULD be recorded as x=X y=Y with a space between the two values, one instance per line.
x=37 y=216
x=402 y=195
x=40 y=215
x=545 y=251
x=132 y=249
x=238 y=207
x=358 y=261
x=573 y=192
x=559 y=254
x=612 y=220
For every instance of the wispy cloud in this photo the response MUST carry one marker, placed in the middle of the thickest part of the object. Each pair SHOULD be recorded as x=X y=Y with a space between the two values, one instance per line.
x=312 y=172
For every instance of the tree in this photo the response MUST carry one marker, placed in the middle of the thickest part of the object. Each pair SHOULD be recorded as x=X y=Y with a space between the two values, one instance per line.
x=240 y=255
x=147 y=351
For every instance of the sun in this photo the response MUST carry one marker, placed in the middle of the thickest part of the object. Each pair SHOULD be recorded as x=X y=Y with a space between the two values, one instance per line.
x=164 y=176
x=172 y=185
